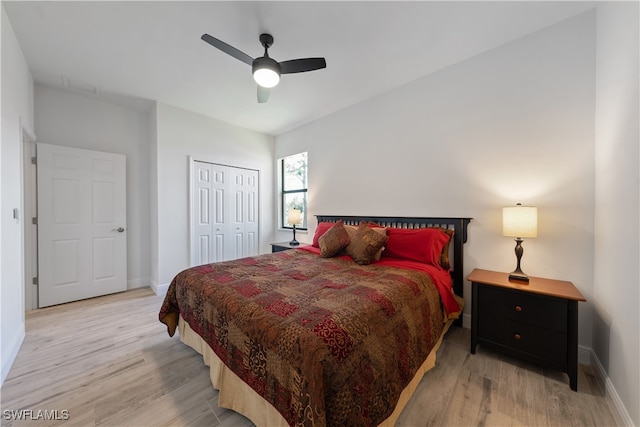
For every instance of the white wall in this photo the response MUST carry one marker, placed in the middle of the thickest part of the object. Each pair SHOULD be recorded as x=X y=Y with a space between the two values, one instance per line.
x=181 y=134
x=514 y=124
x=17 y=113
x=616 y=330
x=75 y=120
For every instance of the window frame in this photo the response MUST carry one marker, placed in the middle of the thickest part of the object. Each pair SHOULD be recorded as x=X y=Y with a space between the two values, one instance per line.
x=283 y=192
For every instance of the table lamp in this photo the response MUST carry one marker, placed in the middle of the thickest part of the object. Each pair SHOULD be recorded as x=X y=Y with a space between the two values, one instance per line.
x=519 y=221
x=294 y=217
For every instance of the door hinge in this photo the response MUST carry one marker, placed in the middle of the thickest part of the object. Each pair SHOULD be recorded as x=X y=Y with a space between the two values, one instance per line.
x=35 y=281
x=34 y=220
x=34 y=160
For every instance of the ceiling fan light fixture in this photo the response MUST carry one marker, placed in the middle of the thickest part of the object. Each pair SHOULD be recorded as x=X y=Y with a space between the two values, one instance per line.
x=266 y=77
x=266 y=72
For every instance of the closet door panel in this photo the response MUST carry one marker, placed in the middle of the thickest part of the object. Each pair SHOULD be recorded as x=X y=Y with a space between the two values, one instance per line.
x=202 y=218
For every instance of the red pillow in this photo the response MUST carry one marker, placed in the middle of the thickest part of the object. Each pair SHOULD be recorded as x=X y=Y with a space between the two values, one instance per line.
x=419 y=244
x=322 y=228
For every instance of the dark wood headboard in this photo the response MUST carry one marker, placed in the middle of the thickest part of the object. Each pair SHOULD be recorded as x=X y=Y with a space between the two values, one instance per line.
x=457 y=224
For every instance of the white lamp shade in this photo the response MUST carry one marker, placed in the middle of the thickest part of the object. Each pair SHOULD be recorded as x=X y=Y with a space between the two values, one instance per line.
x=266 y=77
x=520 y=221
x=294 y=216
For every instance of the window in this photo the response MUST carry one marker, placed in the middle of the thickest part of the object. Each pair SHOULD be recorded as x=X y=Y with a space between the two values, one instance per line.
x=293 y=187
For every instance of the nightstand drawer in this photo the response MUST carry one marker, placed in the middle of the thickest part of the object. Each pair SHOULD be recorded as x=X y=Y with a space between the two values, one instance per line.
x=539 y=311
x=535 y=341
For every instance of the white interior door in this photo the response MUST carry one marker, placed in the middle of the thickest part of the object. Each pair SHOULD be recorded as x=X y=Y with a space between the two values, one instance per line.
x=224 y=213
x=82 y=245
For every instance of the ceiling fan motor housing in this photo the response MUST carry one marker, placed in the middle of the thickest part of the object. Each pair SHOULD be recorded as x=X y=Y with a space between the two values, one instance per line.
x=261 y=65
x=266 y=62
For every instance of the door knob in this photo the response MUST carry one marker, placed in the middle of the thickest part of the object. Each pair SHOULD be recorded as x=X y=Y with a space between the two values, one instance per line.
x=119 y=229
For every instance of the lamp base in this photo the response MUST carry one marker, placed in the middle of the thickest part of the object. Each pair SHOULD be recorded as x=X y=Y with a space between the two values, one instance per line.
x=519 y=276
x=294 y=242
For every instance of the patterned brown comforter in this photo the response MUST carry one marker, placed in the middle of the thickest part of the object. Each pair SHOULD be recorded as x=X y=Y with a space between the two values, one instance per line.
x=325 y=341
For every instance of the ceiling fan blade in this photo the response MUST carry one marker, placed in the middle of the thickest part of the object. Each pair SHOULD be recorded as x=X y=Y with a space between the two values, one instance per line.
x=302 y=65
x=263 y=94
x=228 y=49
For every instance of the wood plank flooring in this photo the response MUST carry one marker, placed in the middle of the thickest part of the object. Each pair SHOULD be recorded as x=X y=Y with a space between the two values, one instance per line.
x=109 y=362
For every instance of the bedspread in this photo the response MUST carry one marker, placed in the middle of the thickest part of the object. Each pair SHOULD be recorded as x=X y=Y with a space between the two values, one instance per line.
x=325 y=341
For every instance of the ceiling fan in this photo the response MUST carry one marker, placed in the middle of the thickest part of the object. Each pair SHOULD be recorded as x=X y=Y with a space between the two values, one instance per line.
x=267 y=71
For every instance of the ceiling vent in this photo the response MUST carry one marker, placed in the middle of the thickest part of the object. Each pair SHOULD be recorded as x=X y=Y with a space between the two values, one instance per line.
x=80 y=86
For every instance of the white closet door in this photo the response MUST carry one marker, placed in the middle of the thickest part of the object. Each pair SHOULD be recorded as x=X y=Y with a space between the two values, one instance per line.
x=224 y=213
x=82 y=243
x=250 y=196
x=244 y=183
x=220 y=206
x=202 y=213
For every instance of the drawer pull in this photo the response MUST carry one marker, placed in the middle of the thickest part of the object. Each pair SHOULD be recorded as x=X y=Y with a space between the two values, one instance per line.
x=518 y=308
x=517 y=336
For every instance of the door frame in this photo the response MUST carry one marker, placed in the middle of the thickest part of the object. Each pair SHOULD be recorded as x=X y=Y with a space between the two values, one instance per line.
x=29 y=211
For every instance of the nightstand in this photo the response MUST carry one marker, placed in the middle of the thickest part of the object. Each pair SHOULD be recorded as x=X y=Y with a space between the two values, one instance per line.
x=537 y=322
x=283 y=246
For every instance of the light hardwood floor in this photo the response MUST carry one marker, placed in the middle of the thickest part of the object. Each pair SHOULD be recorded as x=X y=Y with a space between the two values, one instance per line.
x=109 y=362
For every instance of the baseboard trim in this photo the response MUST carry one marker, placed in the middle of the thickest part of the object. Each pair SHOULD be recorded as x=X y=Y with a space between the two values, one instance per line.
x=618 y=409
x=584 y=355
x=137 y=283
x=466 y=321
x=159 y=289
x=15 y=345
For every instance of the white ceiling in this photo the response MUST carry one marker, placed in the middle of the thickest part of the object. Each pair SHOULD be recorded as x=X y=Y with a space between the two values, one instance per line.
x=151 y=50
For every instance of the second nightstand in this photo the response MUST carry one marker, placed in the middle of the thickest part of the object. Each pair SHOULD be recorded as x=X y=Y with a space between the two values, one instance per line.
x=536 y=321
x=282 y=246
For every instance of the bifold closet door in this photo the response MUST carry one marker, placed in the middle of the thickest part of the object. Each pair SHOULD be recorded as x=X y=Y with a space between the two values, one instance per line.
x=224 y=213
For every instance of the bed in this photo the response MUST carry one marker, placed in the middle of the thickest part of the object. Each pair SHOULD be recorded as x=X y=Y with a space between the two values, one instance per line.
x=312 y=337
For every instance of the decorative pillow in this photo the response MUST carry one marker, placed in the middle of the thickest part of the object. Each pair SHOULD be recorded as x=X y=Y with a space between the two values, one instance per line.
x=418 y=244
x=334 y=240
x=444 y=255
x=351 y=230
x=320 y=230
x=365 y=244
